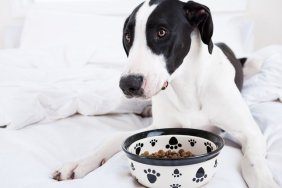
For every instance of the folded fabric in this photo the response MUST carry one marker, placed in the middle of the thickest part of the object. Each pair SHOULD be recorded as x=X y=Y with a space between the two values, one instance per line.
x=30 y=94
x=266 y=84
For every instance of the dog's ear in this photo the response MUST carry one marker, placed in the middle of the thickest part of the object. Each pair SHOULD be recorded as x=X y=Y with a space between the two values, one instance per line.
x=200 y=16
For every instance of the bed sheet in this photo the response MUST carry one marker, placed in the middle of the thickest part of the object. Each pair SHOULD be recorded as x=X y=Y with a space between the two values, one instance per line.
x=30 y=155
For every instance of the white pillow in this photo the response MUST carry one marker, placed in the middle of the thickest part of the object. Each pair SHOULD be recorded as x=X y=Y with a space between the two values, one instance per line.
x=76 y=36
x=97 y=38
x=236 y=31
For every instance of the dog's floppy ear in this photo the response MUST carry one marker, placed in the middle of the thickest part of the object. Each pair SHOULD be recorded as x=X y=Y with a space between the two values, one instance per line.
x=200 y=16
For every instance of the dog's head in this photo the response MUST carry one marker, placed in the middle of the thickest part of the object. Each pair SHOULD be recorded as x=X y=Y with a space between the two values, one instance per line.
x=156 y=39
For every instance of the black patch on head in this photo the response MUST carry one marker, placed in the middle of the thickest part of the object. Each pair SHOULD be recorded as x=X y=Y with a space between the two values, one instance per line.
x=169 y=15
x=178 y=19
x=129 y=27
x=153 y=2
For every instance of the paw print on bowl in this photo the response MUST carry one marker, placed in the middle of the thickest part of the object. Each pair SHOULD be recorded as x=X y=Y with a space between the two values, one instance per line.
x=173 y=143
x=153 y=142
x=200 y=175
x=138 y=148
x=175 y=186
x=209 y=147
x=215 y=164
x=192 y=142
x=176 y=173
x=152 y=175
x=132 y=166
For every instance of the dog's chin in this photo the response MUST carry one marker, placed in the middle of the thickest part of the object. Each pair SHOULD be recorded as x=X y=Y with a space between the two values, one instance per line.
x=149 y=95
x=145 y=96
x=142 y=97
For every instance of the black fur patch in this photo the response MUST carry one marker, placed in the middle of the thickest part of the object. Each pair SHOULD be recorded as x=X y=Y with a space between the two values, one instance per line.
x=235 y=62
x=243 y=60
x=129 y=27
x=153 y=2
x=171 y=16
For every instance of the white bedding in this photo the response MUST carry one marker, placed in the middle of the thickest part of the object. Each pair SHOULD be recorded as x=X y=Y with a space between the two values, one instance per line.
x=29 y=156
x=74 y=74
x=34 y=90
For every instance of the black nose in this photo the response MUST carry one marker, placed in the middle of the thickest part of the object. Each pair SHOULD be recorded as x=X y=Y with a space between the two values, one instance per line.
x=131 y=85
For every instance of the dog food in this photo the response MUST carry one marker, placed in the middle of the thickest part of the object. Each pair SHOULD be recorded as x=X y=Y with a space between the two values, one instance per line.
x=161 y=154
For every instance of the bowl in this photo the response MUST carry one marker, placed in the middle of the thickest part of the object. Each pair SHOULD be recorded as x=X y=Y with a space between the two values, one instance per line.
x=189 y=172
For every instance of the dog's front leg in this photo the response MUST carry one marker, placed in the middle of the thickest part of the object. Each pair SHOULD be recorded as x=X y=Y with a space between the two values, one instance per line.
x=80 y=168
x=230 y=112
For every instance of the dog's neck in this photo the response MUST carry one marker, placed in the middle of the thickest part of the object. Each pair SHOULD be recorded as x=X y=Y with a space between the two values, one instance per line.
x=195 y=62
x=188 y=77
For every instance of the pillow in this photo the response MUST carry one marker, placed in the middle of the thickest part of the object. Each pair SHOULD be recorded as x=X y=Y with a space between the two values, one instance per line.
x=76 y=36
x=96 y=38
x=236 y=31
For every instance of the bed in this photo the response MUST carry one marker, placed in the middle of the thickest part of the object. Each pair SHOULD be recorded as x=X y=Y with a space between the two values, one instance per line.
x=60 y=99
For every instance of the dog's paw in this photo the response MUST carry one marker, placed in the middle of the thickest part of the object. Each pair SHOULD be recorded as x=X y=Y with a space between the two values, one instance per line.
x=257 y=174
x=66 y=172
x=74 y=170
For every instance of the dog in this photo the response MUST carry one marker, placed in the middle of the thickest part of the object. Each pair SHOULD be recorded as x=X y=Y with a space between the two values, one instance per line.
x=192 y=83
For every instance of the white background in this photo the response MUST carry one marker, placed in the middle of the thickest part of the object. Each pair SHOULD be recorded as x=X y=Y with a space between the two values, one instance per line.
x=265 y=14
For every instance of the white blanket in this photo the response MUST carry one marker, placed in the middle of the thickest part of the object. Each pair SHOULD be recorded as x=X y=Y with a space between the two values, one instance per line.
x=263 y=73
x=32 y=91
x=30 y=155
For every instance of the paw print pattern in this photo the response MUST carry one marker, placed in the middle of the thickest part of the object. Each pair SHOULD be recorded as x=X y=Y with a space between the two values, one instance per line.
x=215 y=164
x=152 y=175
x=209 y=147
x=173 y=143
x=175 y=186
x=176 y=173
x=132 y=166
x=200 y=175
x=138 y=148
x=153 y=142
x=192 y=142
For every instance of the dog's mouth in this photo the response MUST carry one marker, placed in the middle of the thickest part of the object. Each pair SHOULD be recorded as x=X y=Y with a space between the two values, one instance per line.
x=145 y=96
x=146 y=91
x=165 y=85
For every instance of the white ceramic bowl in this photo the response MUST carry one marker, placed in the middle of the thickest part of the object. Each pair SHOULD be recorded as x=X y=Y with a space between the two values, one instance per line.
x=174 y=173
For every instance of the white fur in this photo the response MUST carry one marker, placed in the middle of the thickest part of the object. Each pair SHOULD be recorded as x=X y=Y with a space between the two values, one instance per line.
x=201 y=93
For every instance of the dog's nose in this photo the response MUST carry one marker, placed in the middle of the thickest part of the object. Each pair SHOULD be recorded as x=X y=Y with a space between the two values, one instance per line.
x=131 y=85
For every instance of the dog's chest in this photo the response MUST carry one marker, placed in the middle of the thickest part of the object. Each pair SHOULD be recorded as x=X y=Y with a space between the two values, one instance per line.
x=179 y=107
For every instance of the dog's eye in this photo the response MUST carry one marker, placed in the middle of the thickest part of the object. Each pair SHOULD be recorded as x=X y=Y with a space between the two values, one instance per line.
x=162 y=33
x=127 y=37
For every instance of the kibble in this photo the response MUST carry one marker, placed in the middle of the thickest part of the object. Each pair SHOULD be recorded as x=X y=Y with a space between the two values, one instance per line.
x=161 y=154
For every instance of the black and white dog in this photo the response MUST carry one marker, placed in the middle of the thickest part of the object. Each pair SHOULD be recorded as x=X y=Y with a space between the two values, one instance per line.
x=169 y=47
